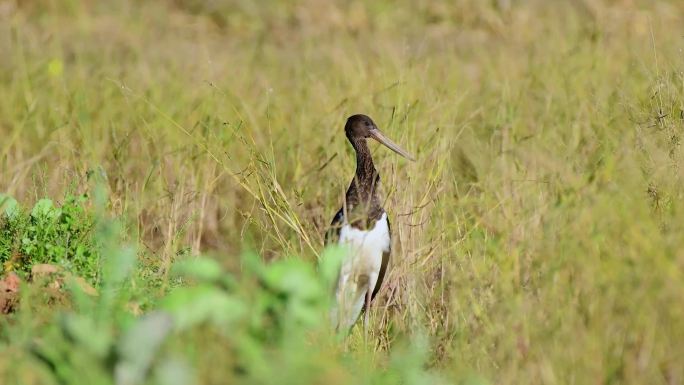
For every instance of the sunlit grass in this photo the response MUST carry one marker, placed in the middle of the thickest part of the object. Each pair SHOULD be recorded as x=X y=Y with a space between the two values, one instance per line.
x=538 y=239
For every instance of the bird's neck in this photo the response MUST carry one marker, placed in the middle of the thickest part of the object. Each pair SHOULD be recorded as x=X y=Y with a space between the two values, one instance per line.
x=365 y=169
x=363 y=187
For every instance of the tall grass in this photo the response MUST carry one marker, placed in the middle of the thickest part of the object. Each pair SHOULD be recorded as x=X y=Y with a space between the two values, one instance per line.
x=538 y=238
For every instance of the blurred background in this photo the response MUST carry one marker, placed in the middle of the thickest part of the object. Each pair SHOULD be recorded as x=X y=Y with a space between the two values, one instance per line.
x=538 y=238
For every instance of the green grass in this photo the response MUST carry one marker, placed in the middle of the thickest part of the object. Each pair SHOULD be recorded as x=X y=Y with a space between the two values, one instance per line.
x=538 y=239
x=49 y=235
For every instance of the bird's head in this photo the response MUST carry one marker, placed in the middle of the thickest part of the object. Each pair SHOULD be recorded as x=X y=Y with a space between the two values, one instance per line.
x=362 y=127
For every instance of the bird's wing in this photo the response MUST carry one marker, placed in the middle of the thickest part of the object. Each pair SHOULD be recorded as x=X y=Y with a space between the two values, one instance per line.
x=332 y=235
x=385 y=262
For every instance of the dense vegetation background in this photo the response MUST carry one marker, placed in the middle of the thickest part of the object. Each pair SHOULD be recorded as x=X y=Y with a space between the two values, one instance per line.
x=538 y=239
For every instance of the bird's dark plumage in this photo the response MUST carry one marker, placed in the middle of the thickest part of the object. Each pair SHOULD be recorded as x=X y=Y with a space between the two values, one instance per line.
x=363 y=226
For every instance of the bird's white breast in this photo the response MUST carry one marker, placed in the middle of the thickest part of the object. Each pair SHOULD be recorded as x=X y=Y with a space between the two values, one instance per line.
x=359 y=271
x=368 y=245
x=366 y=248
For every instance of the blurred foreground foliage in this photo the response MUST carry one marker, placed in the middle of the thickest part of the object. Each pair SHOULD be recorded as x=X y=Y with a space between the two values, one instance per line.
x=265 y=325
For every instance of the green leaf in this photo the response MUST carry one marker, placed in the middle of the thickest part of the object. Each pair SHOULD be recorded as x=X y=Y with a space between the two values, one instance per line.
x=190 y=306
x=10 y=205
x=44 y=208
x=119 y=265
x=293 y=277
x=84 y=331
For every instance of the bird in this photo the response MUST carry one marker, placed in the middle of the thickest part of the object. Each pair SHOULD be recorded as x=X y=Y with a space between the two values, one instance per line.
x=361 y=227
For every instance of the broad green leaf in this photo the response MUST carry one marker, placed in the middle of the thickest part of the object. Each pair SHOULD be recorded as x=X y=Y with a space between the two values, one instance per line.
x=294 y=277
x=119 y=265
x=190 y=306
x=86 y=333
x=44 y=208
x=9 y=205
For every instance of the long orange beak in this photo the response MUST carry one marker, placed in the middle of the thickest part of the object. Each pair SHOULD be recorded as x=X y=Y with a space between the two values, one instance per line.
x=377 y=135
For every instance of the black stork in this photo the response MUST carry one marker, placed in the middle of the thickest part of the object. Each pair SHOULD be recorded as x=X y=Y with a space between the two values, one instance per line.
x=361 y=226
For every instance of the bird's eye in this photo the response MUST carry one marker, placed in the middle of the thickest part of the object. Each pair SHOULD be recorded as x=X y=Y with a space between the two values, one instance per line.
x=367 y=124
